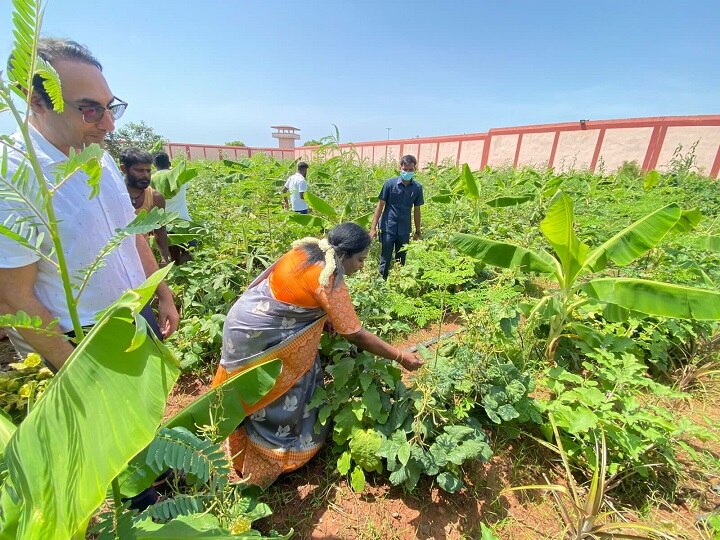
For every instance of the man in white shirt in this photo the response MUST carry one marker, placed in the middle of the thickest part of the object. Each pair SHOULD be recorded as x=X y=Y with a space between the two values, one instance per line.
x=28 y=282
x=296 y=185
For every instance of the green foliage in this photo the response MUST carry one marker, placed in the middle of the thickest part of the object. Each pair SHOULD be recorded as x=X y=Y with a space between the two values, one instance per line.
x=136 y=135
x=22 y=386
x=430 y=430
x=612 y=393
x=65 y=423
x=169 y=181
x=583 y=510
x=235 y=143
x=574 y=258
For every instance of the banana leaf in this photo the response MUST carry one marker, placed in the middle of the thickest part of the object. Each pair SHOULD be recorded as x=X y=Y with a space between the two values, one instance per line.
x=657 y=298
x=505 y=255
x=7 y=429
x=558 y=228
x=504 y=202
x=103 y=407
x=319 y=205
x=469 y=183
x=307 y=220
x=222 y=406
x=636 y=239
x=169 y=181
x=364 y=220
x=711 y=243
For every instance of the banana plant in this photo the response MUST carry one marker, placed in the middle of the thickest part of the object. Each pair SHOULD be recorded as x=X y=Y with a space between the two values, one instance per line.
x=467 y=186
x=106 y=402
x=327 y=216
x=575 y=262
x=102 y=411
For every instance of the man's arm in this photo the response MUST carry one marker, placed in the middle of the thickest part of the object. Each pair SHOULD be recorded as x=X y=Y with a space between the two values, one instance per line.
x=167 y=312
x=286 y=204
x=17 y=294
x=161 y=234
x=376 y=217
x=416 y=216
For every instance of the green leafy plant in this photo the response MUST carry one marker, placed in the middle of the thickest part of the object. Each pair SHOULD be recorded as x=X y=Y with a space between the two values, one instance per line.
x=573 y=259
x=134 y=134
x=22 y=385
x=431 y=429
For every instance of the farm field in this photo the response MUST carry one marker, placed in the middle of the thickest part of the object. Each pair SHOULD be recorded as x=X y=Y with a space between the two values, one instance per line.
x=568 y=323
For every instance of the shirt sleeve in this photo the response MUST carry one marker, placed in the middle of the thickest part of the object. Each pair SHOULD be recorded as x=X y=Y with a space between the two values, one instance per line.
x=338 y=305
x=12 y=253
x=420 y=200
x=302 y=186
x=384 y=192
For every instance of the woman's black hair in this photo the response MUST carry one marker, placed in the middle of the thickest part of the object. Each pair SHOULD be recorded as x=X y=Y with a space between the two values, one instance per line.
x=347 y=239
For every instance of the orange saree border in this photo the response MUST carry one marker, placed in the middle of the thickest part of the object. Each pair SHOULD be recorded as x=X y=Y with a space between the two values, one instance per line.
x=258 y=463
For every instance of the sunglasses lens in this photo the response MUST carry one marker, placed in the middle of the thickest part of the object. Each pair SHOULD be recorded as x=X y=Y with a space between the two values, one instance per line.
x=92 y=115
x=117 y=110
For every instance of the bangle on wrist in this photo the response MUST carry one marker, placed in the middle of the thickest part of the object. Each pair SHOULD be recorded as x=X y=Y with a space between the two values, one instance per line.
x=399 y=355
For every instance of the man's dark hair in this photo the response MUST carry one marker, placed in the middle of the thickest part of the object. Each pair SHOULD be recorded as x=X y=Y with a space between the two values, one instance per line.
x=302 y=165
x=161 y=160
x=408 y=160
x=53 y=49
x=133 y=156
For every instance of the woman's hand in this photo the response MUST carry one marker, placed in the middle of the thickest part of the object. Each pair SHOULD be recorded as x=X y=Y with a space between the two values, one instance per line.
x=329 y=328
x=410 y=361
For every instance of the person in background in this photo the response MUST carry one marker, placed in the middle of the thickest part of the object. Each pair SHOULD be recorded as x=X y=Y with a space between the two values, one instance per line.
x=282 y=315
x=296 y=185
x=31 y=284
x=400 y=198
x=174 y=202
x=136 y=165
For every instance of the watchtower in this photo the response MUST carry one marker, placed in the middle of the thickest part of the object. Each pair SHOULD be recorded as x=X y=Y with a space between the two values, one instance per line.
x=286 y=136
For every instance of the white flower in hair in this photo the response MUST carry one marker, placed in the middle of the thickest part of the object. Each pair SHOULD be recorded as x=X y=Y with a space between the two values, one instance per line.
x=331 y=258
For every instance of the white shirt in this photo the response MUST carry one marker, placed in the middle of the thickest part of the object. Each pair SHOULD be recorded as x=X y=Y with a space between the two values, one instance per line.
x=178 y=203
x=296 y=185
x=85 y=226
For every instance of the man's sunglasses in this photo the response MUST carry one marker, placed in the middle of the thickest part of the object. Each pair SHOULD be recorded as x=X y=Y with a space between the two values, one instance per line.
x=92 y=114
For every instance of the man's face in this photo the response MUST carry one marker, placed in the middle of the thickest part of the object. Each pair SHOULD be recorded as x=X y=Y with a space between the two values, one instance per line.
x=137 y=176
x=82 y=84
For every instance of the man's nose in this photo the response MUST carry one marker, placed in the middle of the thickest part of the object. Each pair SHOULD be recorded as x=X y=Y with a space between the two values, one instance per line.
x=107 y=122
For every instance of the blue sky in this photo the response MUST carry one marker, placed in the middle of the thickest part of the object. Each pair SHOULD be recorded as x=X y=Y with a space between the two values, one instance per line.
x=212 y=71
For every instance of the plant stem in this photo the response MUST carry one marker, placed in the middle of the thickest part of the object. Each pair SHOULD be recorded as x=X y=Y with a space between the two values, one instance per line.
x=117 y=506
x=51 y=219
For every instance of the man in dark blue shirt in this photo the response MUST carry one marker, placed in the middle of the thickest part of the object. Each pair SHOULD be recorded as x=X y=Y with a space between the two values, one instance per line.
x=399 y=195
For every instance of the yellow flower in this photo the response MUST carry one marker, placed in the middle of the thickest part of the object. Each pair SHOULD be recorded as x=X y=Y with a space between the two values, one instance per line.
x=241 y=525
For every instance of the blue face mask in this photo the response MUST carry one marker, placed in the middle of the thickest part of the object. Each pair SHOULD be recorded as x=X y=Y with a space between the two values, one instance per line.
x=407 y=175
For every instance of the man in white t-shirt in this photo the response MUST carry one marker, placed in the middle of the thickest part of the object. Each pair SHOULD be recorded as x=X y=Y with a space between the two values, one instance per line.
x=31 y=283
x=296 y=185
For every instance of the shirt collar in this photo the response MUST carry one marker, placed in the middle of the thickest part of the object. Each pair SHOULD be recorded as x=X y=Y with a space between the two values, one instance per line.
x=400 y=180
x=47 y=153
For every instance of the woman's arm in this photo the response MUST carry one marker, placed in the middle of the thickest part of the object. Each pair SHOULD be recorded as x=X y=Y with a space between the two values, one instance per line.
x=371 y=343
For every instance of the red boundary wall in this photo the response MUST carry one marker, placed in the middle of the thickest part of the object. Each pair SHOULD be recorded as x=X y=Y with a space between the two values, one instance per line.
x=585 y=145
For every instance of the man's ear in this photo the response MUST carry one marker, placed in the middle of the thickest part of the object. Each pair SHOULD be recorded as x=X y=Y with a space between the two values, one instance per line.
x=123 y=168
x=37 y=103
